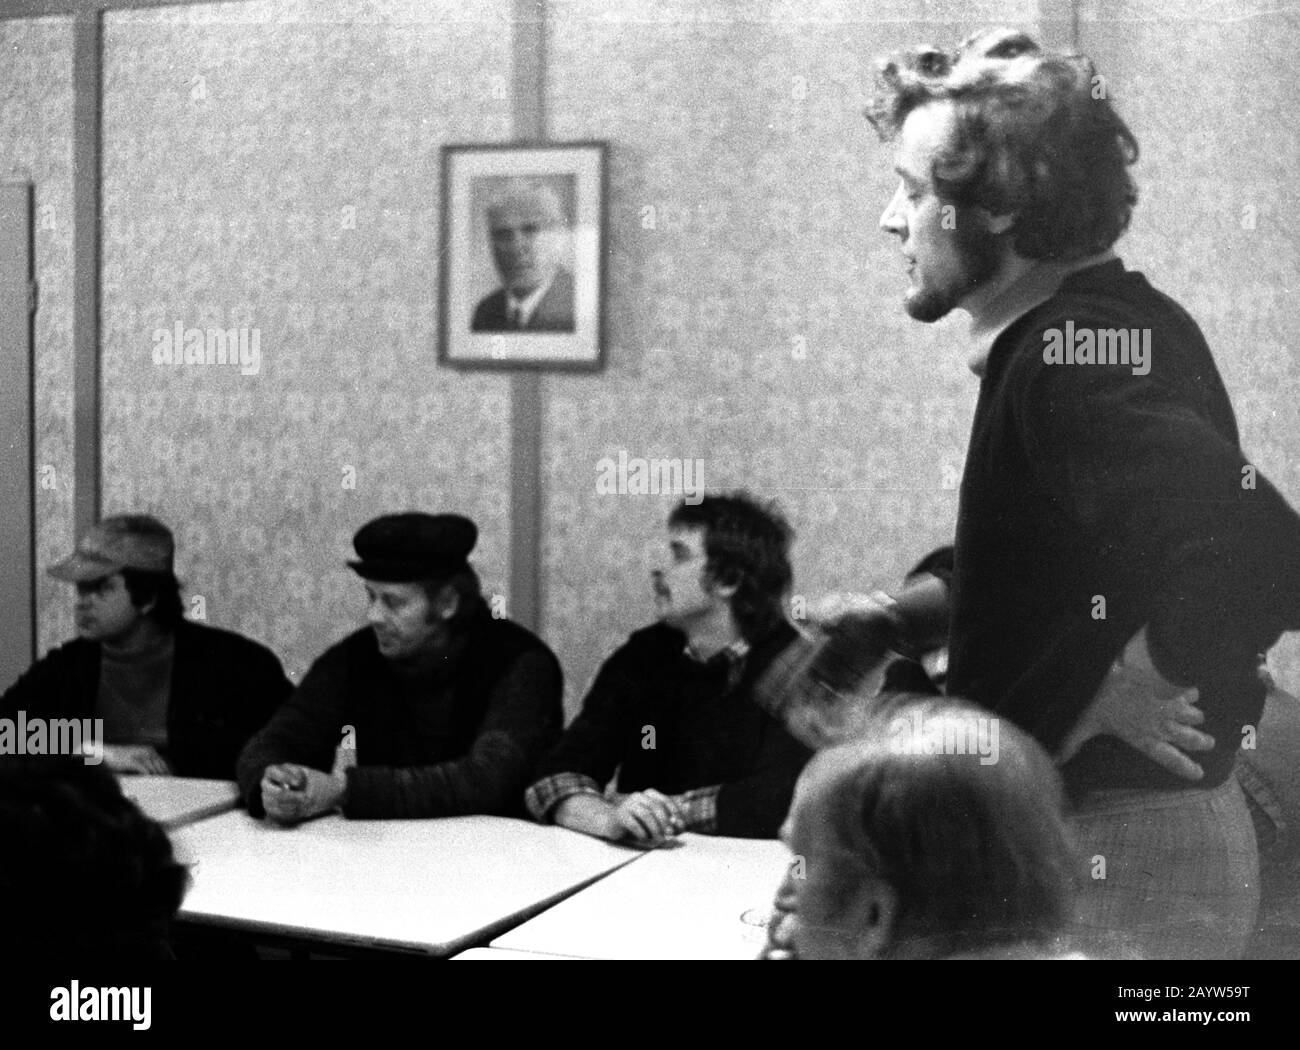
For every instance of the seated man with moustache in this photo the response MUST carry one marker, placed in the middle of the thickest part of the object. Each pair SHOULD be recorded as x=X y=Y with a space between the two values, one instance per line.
x=174 y=696
x=939 y=833
x=437 y=709
x=673 y=709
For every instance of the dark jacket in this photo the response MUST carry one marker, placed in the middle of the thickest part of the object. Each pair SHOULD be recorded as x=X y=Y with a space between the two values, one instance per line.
x=554 y=312
x=1095 y=501
x=459 y=740
x=224 y=688
x=706 y=731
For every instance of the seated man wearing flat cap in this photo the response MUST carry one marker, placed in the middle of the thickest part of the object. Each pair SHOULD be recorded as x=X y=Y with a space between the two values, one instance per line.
x=436 y=709
x=174 y=696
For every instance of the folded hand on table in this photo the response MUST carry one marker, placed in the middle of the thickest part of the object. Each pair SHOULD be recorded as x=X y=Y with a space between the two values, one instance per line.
x=644 y=818
x=292 y=793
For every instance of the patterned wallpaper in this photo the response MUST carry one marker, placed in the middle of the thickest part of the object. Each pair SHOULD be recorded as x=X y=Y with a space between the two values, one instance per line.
x=274 y=167
x=36 y=145
x=271 y=167
x=1215 y=225
x=758 y=326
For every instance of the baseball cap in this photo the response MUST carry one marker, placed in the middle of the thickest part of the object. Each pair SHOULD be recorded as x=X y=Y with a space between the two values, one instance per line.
x=123 y=541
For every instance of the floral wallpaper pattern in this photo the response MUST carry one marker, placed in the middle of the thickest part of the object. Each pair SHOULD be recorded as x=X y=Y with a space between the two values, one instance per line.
x=757 y=326
x=273 y=167
x=36 y=146
x=1215 y=224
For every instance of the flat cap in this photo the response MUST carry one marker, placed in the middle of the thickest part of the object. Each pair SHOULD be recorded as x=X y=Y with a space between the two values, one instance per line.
x=405 y=548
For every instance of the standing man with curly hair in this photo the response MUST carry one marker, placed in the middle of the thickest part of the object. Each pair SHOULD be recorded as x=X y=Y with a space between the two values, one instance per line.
x=1119 y=564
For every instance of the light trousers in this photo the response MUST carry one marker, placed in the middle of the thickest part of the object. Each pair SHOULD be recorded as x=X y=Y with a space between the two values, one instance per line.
x=1168 y=874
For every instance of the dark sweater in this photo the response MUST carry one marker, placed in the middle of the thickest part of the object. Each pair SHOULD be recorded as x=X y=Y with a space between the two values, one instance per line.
x=705 y=734
x=224 y=687
x=1086 y=481
x=460 y=739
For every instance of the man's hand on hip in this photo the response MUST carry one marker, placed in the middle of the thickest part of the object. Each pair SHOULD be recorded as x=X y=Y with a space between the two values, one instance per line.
x=1148 y=712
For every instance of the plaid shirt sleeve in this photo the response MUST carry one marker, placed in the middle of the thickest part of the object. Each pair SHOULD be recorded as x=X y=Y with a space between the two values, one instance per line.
x=542 y=798
x=699 y=808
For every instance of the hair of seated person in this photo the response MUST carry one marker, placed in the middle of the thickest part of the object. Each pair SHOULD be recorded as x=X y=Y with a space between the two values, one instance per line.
x=89 y=877
x=469 y=595
x=747 y=544
x=161 y=588
x=978 y=854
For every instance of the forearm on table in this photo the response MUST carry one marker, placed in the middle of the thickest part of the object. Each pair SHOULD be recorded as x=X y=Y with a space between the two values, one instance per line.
x=488 y=780
x=698 y=809
x=290 y=736
x=588 y=813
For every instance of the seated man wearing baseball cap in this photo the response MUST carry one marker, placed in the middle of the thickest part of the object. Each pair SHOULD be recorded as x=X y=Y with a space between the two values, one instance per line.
x=436 y=709
x=175 y=696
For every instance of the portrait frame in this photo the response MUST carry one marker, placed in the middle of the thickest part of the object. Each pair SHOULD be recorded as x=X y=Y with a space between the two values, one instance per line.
x=538 y=307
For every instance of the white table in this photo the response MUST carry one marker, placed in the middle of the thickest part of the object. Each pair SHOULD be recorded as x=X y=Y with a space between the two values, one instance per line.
x=426 y=886
x=507 y=955
x=683 y=902
x=175 y=801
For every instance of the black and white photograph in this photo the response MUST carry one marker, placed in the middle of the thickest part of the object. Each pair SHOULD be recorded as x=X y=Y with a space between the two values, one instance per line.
x=648 y=481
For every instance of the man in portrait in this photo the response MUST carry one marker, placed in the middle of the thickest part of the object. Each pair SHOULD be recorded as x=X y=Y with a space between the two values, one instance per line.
x=529 y=235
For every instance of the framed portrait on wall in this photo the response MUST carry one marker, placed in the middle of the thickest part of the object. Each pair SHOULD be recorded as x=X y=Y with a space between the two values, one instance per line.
x=523 y=256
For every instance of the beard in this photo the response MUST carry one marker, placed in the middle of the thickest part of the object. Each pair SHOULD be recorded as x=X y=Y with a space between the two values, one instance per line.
x=978 y=257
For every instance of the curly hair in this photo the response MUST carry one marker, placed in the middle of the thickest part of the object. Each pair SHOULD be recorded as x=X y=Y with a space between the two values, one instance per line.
x=88 y=876
x=1035 y=136
x=746 y=544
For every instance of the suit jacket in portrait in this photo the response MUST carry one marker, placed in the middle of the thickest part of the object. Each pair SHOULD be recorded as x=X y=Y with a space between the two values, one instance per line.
x=553 y=314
